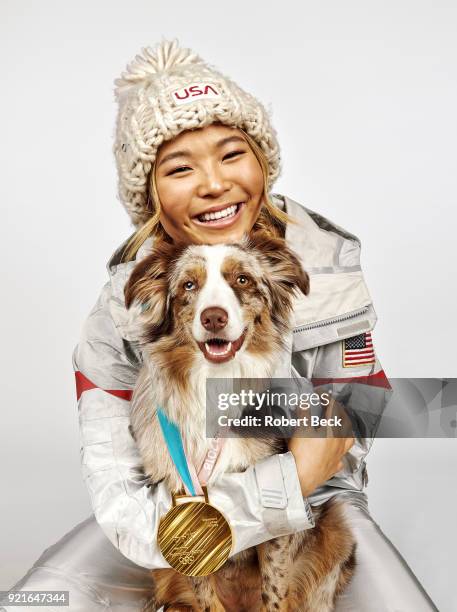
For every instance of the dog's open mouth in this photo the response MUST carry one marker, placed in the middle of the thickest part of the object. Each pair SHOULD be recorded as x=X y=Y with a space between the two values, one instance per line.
x=218 y=350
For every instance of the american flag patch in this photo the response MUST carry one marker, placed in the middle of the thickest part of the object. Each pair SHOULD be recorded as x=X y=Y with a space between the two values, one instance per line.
x=358 y=350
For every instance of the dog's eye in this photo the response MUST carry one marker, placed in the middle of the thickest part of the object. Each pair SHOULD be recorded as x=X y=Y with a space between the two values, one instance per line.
x=189 y=285
x=242 y=279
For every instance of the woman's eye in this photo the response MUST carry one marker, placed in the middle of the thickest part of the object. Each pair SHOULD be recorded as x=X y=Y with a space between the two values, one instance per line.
x=233 y=153
x=189 y=285
x=176 y=170
x=242 y=279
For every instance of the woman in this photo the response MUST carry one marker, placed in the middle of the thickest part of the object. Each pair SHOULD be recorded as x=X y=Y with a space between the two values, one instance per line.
x=197 y=157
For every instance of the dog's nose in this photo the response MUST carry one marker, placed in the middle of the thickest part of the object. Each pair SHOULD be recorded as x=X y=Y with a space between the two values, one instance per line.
x=214 y=318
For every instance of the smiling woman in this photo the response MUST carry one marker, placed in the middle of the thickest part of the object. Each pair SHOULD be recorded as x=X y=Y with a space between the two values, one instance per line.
x=209 y=185
x=197 y=157
x=212 y=189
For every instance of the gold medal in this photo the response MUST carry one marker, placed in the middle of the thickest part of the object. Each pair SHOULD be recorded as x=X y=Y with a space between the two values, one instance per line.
x=194 y=536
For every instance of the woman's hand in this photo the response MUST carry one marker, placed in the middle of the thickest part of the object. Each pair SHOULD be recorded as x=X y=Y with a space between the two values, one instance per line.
x=318 y=453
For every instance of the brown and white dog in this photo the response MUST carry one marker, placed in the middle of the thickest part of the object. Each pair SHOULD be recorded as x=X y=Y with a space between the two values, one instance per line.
x=222 y=311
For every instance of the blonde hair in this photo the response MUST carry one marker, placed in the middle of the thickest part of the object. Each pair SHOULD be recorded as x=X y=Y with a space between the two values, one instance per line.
x=271 y=218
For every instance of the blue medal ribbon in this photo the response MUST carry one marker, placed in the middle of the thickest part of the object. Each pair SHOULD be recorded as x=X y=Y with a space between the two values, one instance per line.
x=173 y=440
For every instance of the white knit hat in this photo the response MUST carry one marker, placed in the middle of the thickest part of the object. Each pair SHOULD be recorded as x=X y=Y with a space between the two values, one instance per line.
x=169 y=89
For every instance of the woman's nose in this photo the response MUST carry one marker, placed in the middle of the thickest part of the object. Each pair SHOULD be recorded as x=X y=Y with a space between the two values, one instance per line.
x=213 y=181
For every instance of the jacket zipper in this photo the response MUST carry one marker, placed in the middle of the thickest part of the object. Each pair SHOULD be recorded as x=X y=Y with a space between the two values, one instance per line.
x=349 y=315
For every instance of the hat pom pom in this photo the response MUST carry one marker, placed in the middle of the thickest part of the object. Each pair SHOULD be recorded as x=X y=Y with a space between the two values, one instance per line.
x=162 y=58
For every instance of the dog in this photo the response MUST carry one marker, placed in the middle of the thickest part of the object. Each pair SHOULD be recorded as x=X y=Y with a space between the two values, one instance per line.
x=222 y=311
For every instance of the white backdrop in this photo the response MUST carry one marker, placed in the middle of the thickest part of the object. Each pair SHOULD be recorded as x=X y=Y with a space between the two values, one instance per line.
x=363 y=97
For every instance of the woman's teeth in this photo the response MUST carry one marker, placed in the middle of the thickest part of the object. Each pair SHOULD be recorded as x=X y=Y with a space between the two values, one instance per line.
x=230 y=211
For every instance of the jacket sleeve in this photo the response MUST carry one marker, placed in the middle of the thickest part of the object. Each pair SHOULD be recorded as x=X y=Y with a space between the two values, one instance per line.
x=351 y=370
x=127 y=508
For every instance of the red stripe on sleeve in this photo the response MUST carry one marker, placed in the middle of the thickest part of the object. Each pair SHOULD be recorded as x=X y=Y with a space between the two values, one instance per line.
x=84 y=384
x=376 y=380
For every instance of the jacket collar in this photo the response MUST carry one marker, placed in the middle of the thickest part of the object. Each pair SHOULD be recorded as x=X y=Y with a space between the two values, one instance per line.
x=320 y=242
x=338 y=305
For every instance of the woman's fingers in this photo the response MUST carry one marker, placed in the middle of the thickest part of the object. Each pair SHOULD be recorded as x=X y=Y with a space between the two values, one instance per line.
x=319 y=451
x=349 y=443
x=338 y=423
x=318 y=458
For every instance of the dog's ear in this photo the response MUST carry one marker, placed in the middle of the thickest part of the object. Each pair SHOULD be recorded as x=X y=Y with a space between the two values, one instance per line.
x=147 y=292
x=286 y=273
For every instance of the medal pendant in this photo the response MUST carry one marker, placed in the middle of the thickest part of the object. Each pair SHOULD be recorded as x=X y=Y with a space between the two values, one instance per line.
x=194 y=536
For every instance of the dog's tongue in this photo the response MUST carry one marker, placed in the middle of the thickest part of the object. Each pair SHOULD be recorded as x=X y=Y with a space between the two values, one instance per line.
x=218 y=347
x=217 y=350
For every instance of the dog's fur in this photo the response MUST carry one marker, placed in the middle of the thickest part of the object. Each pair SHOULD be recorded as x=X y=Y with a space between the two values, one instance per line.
x=302 y=571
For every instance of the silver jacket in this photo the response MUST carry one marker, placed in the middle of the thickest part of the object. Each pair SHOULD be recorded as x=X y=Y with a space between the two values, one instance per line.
x=106 y=365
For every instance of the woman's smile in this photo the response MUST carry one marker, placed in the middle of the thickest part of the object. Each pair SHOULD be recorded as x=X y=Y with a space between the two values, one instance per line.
x=220 y=216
